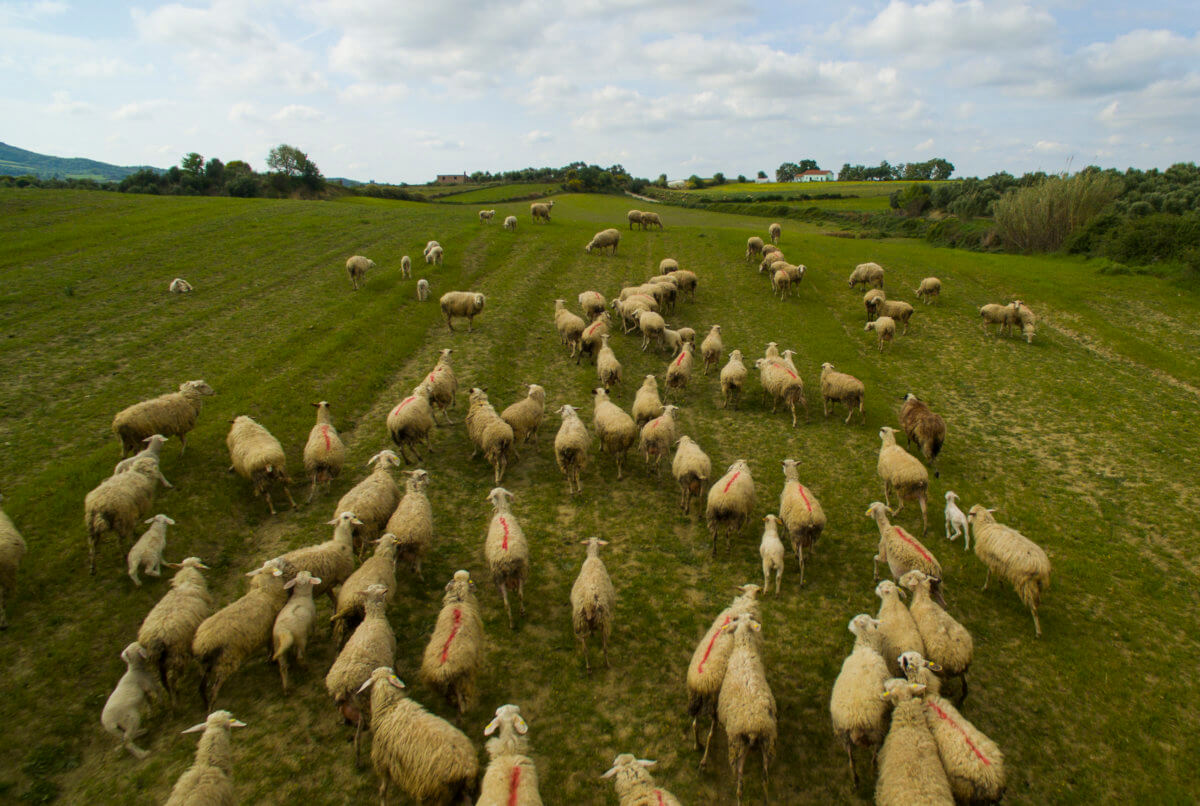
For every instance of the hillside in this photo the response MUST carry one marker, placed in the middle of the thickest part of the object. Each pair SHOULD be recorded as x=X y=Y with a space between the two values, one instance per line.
x=18 y=162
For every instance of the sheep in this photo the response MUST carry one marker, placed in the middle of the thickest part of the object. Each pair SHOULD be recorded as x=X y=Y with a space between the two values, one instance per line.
x=210 y=778
x=1028 y=321
x=324 y=453
x=486 y=216
x=227 y=638
x=781 y=281
x=525 y=416
x=122 y=714
x=771 y=551
x=897 y=310
x=625 y=308
x=746 y=706
x=571 y=447
x=357 y=267
x=909 y=768
x=651 y=220
x=511 y=776
x=539 y=212
x=147 y=551
x=119 y=502
x=405 y=267
x=411 y=524
x=604 y=239
x=153 y=450
x=510 y=223
x=903 y=474
x=480 y=413
x=838 y=387
x=373 y=499
x=180 y=286
x=332 y=561
x=569 y=326
x=679 y=372
x=691 y=468
x=442 y=384
x=858 y=714
x=371 y=645
x=920 y=423
x=871 y=299
x=634 y=217
x=868 y=274
x=422 y=290
x=172 y=415
x=657 y=436
x=754 y=246
x=956 y=521
x=12 y=549
x=771 y=249
x=455 y=650
x=615 y=428
x=885 y=329
x=410 y=422
x=423 y=754
x=1013 y=557
x=293 y=623
x=930 y=287
x=435 y=255
x=730 y=502
x=635 y=786
x=780 y=380
x=801 y=513
x=1003 y=316
x=668 y=265
x=592 y=303
x=593 y=601
x=947 y=643
x=608 y=368
x=896 y=626
x=775 y=232
x=378 y=569
x=489 y=433
x=733 y=376
x=506 y=551
x=589 y=342
x=687 y=282
x=900 y=550
x=460 y=304
x=651 y=324
x=169 y=627
x=428 y=246
x=771 y=256
x=673 y=341
x=257 y=456
x=712 y=348
x=646 y=403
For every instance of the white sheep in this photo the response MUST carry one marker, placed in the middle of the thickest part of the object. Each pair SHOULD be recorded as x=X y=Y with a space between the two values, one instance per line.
x=169 y=627
x=608 y=368
x=733 y=377
x=172 y=414
x=525 y=416
x=775 y=231
x=12 y=549
x=510 y=223
x=147 y=551
x=657 y=436
x=801 y=513
x=256 y=455
x=859 y=716
x=406 y=267
x=410 y=422
x=434 y=255
x=119 y=502
x=646 y=403
x=593 y=601
x=910 y=770
x=679 y=371
x=771 y=551
x=122 y=715
x=461 y=304
x=511 y=776
x=454 y=653
x=838 y=387
x=635 y=786
x=592 y=303
x=947 y=643
x=372 y=645
x=754 y=246
x=422 y=290
x=867 y=274
x=486 y=216
x=897 y=626
x=1003 y=316
x=615 y=428
x=900 y=550
x=210 y=778
x=571 y=447
x=930 y=287
x=730 y=502
x=294 y=622
x=957 y=524
x=569 y=326
x=357 y=267
x=746 y=707
x=180 y=286
x=506 y=550
x=712 y=348
x=1013 y=557
x=902 y=473
x=604 y=239
x=412 y=527
x=885 y=329
x=691 y=468
x=324 y=453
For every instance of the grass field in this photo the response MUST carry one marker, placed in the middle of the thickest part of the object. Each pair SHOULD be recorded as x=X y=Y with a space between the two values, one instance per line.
x=1088 y=441
x=788 y=189
x=497 y=193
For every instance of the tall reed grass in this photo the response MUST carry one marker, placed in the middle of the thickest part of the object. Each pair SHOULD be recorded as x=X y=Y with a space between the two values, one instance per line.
x=1039 y=218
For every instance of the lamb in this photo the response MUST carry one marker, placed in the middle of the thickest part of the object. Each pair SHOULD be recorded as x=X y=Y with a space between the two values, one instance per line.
x=781 y=381
x=571 y=447
x=525 y=416
x=357 y=267
x=153 y=450
x=593 y=601
x=651 y=220
x=871 y=300
x=646 y=403
x=712 y=348
x=442 y=384
x=258 y=457
x=227 y=638
x=122 y=715
x=801 y=513
x=592 y=303
x=909 y=768
x=147 y=552
x=179 y=286
x=378 y=569
x=651 y=324
x=838 y=387
x=1013 y=557
x=897 y=626
x=540 y=212
x=956 y=521
x=460 y=304
x=884 y=327
x=900 y=550
x=293 y=623
x=635 y=786
x=510 y=223
x=754 y=246
x=673 y=341
x=410 y=422
x=771 y=551
x=455 y=650
x=947 y=643
x=506 y=551
x=169 y=627
x=604 y=239
x=746 y=706
x=657 y=436
x=332 y=561
x=119 y=502
x=920 y=423
x=733 y=376
x=859 y=715
x=324 y=453
x=634 y=217
x=569 y=326
x=373 y=499
x=373 y=644
x=867 y=274
x=897 y=310
x=679 y=372
x=412 y=523
x=435 y=255
x=615 y=428
x=422 y=290
x=626 y=308
x=1028 y=322
x=775 y=231
x=730 y=502
x=486 y=216
x=423 y=754
x=589 y=342
x=406 y=267
x=1003 y=316
x=668 y=265
x=903 y=474
x=781 y=282
x=172 y=415
x=12 y=549
x=691 y=468
x=511 y=776
x=930 y=287
x=608 y=368
x=210 y=778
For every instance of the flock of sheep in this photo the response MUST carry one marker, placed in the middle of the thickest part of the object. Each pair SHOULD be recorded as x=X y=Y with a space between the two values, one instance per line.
x=887 y=696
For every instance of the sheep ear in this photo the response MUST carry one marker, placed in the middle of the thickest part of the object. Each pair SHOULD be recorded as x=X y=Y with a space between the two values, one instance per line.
x=236 y=723
x=395 y=682
x=148 y=520
x=933 y=666
x=291 y=583
x=610 y=773
x=491 y=727
x=196 y=728
x=754 y=625
x=315 y=580
x=173 y=565
x=332 y=522
x=883 y=695
x=520 y=725
x=646 y=762
x=991 y=510
x=370 y=682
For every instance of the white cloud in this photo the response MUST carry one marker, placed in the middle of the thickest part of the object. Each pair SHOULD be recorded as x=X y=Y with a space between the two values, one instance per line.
x=536 y=136
x=1050 y=147
x=243 y=111
x=934 y=30
x=64 y=105
x=295 y=112
x=140 y=110
x=31 y=11
x=924 y=145
x=374 y=93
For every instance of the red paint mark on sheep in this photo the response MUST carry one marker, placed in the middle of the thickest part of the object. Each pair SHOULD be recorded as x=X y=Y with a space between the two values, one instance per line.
x=658 y=794
x=453 y=632
x=800 y=487
x=504 y=523
x=708 y=651
x=403 y=403
x=729 y=483
x=679 y=360
x=325 y=433
x=960 y=729
x=910 y=541
x=514 y=786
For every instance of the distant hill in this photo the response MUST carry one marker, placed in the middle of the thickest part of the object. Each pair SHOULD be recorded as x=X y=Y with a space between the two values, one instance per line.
x=18 y=162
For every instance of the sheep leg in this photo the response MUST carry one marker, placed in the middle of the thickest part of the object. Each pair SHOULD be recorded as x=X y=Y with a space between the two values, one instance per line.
x=92 y=555
x=875 y=567
x=741 y=763
x=1037 y=625
x=620 y=465
x=358 y=728
x=312 y=490
x=587 y=664
x=924 y=516
x=850 y=754
x=713 y=529
x=503 y=588
x=288 y=493
x=270 y=506
x=962 y=697
x=462 y=701
x=766 y=775
x=987 y=579
x=521 y=594
x=886 y=500
x=607 y=665
x=283 y=672
x=712 y=726
x=182 y=444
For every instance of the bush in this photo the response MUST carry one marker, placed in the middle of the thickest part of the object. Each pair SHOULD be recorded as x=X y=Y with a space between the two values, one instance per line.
x=243 y=187
x=1041 y=216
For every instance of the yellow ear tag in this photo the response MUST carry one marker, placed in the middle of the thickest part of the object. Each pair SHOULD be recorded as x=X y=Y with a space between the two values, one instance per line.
x=395 y=681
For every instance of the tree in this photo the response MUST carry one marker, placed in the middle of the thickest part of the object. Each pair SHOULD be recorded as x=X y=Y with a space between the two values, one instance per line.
x=193 y=164
x=742 y=178
x=808 y=165
x=718 y=178
x=291 y=161
x=694 y=182
x=942 y=169
x=786 y=172
x=762 y=174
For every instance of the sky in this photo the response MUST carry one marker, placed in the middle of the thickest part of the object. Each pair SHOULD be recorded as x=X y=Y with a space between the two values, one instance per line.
x=398 y=91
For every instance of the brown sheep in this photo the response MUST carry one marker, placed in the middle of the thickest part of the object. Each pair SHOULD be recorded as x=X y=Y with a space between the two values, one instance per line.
x=921 y=424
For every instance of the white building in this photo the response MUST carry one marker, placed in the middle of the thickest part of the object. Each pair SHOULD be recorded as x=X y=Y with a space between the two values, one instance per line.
x=815 y=176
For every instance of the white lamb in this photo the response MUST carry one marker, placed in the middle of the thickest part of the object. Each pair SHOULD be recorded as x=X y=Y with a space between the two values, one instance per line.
x=146 y=554
x=956 y=520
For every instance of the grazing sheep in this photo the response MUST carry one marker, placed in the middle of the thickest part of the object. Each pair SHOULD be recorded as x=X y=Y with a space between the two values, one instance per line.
x=357 y=267
x=896 y=310
x=428 y=246
x=775 y=232
x=897 y=626
x=608 y=368
x=147 y=551
x=781 y=282
x=592 y=303
x=657 y=436
x=180 y=286
x=455 y=650
x=668 y=265
x=615 y=428
x=957 y=521
x=771 y=249
x=540 y=212
x=900 y=550
x=460 y=304
x=679 y=372
x=771 y=551
x=691 y=468
x=410 y=422
x=422 y=290
x=859 y=715
x=373 y=644
x=746 y=706
x=411 y=524
x=122 y=715
x=511 y=776
x=332 y=561
x=650 y=220
x=604 y=239
x=780 y=380
x=569 y=326
x=589 y=342
x=324 y=453
x=730 y=502
x=227 y=638
x=712 y=348
x=646 y=403
x=1003 y=316
x=12 y=549
x=771 y=256
x=885 y=329
x=635 y=786
x=838 y=387
x=209 y=780
x=173 y=414
x=378 y=569
x=920 y=423
x=593 y=601
x=525 y=416
x=930 y=287
x=506 y=551
x=510 y=223
x=651 y=324
x=486 y=216
x=801 y=513
x=1028 y=321
x=406 y=267
x=871 y=300
x=571 y=447
x=169 y=627
x=687 y=282
x=258 y=457
x=634 y=217
x=947 y=643
x=435 y=255
x=119 y=502
x=293 y=623
x=373 y=499
x=423 y=754
x=1013 y=557
x=442 y=384
x=868 y=274
x=733 y=377
x=910 y=770
x=754 y=246
x=903 y=474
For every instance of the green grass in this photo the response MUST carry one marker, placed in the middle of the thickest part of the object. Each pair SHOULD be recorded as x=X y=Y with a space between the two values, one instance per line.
x=1086 y=441
x=498 y=193
x=789 y=189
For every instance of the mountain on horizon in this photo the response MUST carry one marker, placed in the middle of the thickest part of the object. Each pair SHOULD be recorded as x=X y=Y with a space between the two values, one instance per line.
x=19 y=162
